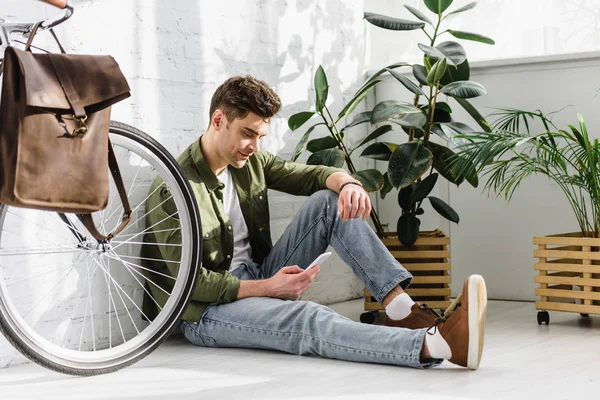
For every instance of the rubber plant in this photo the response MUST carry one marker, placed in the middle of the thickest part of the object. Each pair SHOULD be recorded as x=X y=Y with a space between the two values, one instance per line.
x=415 y=164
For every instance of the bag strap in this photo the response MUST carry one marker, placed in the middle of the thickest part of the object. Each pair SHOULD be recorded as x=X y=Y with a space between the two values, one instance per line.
x=67 y=85
x=34 y=32
x=88 y=221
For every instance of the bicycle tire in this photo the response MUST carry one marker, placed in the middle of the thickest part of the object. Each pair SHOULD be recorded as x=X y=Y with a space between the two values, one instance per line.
x=89 y=362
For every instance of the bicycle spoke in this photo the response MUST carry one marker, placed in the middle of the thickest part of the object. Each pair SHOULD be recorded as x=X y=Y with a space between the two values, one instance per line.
x=109 y=283
x=146 y=269
x=126 y=295
x=130 y=269
x=148 y=228
x=133 y=266
x=150 y=243
x=92 y=310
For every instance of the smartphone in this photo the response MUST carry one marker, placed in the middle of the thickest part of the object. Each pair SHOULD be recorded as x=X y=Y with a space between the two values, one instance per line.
x=319 y=260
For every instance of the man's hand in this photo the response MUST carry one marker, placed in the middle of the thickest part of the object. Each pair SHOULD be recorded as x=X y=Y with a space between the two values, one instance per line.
x=290 y=282
x=354 y=202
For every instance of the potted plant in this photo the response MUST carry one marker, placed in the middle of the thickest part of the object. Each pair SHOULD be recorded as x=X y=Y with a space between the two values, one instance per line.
x=568 y=264
x=416 y=162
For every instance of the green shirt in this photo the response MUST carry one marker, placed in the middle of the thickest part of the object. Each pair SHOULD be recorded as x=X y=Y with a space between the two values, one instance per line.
x=216 y=285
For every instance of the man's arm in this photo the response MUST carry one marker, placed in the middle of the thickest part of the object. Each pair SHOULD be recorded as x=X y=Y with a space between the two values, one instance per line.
x=354 y=202
x=288 y=283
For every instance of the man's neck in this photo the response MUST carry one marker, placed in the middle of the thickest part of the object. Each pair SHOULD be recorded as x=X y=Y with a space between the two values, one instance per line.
x=207 y=147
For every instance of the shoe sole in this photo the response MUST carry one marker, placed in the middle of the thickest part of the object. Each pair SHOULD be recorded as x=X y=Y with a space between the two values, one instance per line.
x=477 y=311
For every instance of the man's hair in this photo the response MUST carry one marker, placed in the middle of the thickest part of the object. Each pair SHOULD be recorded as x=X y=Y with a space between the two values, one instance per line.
x=240 y=95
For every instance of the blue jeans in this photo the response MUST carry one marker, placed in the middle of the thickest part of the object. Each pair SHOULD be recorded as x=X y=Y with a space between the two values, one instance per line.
x=304 y=327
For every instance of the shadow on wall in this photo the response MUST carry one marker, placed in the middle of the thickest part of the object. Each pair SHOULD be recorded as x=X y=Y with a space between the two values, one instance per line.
x=287 y=54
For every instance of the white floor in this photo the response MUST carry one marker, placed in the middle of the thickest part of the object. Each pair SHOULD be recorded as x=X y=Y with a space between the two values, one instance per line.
x=521 y=360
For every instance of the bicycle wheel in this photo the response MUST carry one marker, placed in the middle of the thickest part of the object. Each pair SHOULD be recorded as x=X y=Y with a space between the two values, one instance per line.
x=74 y=305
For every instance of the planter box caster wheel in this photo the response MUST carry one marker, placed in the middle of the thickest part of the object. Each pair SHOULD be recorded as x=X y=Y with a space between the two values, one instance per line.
x=585 y=315
x=367 y=317
x=543 y=317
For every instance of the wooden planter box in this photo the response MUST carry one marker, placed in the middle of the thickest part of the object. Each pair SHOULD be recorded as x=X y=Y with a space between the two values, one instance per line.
x=569 y=274
x=429 y=262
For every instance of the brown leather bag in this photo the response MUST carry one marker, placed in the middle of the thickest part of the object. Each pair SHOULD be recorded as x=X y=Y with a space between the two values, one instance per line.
x=54 y=120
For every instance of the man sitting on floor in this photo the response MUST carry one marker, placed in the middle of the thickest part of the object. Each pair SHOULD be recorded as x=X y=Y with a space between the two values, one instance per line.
x=248 y=289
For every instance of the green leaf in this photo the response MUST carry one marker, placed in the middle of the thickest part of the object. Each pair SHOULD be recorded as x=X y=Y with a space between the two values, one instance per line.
x=408 y=163
x=443 y=159
x=297 y=120
x=358 y=119
x=329 y=157
x=412 y=120
x=444 y=209
x=358 y=97
x=391 y=108
x=420 y=73
x=373 y=135
x=387 y=186
x=404 y=197
x=436 y=72
x=453 y=51
x=433 y=52
x=452 y=129
x=438 y=6
x=469 y=108
x=441 y=162
x=423 y=188
x=321 y=88
x=462 y=72
x=379 y=151
x=407 y=83
x=462 y=9
x=323 y=143
x=440 y=132
x=464 y=89
x=300 y=146
x=440 y=105
x=394 y=24
x=418 y=14
x=471 y=36
x=381 y=71
x=371 y=179
x=408 y=229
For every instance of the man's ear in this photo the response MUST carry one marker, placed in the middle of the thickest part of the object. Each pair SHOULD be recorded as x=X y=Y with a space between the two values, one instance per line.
x=218 y=119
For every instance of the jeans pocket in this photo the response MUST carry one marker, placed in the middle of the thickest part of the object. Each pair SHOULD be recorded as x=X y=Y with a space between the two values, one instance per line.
x=191 y=331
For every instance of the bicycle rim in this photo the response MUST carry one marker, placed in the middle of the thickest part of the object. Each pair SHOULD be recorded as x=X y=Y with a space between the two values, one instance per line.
x=77 y=306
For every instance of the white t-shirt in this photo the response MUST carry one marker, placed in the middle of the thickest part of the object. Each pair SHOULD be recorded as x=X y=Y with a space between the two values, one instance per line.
x=242 y=251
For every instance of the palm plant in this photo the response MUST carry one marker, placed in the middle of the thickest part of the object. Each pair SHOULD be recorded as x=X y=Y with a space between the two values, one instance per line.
x=445 y=72
x=512 y=152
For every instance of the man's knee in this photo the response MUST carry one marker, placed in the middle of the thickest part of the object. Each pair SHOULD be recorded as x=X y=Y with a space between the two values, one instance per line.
x=325 y=196
x=326 y=199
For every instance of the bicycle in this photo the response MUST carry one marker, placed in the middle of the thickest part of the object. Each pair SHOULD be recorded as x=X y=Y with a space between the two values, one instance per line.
x=74 y=304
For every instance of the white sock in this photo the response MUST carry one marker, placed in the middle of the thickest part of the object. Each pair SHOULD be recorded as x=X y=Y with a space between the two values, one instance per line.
x=437 y=345
x=399 y=307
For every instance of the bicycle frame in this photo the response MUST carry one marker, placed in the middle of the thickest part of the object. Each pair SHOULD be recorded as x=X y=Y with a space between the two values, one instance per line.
x=7 y=28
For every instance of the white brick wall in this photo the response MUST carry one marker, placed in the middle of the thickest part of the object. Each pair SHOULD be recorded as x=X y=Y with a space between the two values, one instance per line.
x=176 y=52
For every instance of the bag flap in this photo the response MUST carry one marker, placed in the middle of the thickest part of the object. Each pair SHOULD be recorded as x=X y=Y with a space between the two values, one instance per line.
x=97 y=80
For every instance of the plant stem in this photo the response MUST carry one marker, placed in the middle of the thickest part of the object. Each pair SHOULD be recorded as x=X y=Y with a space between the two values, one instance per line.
x=432 y=104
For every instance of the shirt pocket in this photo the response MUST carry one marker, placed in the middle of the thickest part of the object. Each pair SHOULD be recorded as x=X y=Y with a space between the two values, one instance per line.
x=212 y=253
x=260 y=206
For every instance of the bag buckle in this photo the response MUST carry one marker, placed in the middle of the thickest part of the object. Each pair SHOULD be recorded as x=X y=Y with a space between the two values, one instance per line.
x=82 y=129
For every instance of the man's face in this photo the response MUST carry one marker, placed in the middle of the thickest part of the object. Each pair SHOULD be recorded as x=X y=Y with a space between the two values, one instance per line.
x=239 y=139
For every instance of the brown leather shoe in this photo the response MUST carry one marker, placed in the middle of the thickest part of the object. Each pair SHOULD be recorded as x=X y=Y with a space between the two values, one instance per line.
x=421 y=316
x=463 y=325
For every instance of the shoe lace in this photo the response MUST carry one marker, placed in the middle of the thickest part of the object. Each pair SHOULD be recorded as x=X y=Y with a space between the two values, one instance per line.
x=429 y=310
x=441 y=319
x=434 y=327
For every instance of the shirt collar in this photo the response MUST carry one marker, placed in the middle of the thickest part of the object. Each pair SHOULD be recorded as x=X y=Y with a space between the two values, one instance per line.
x=206 y=174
